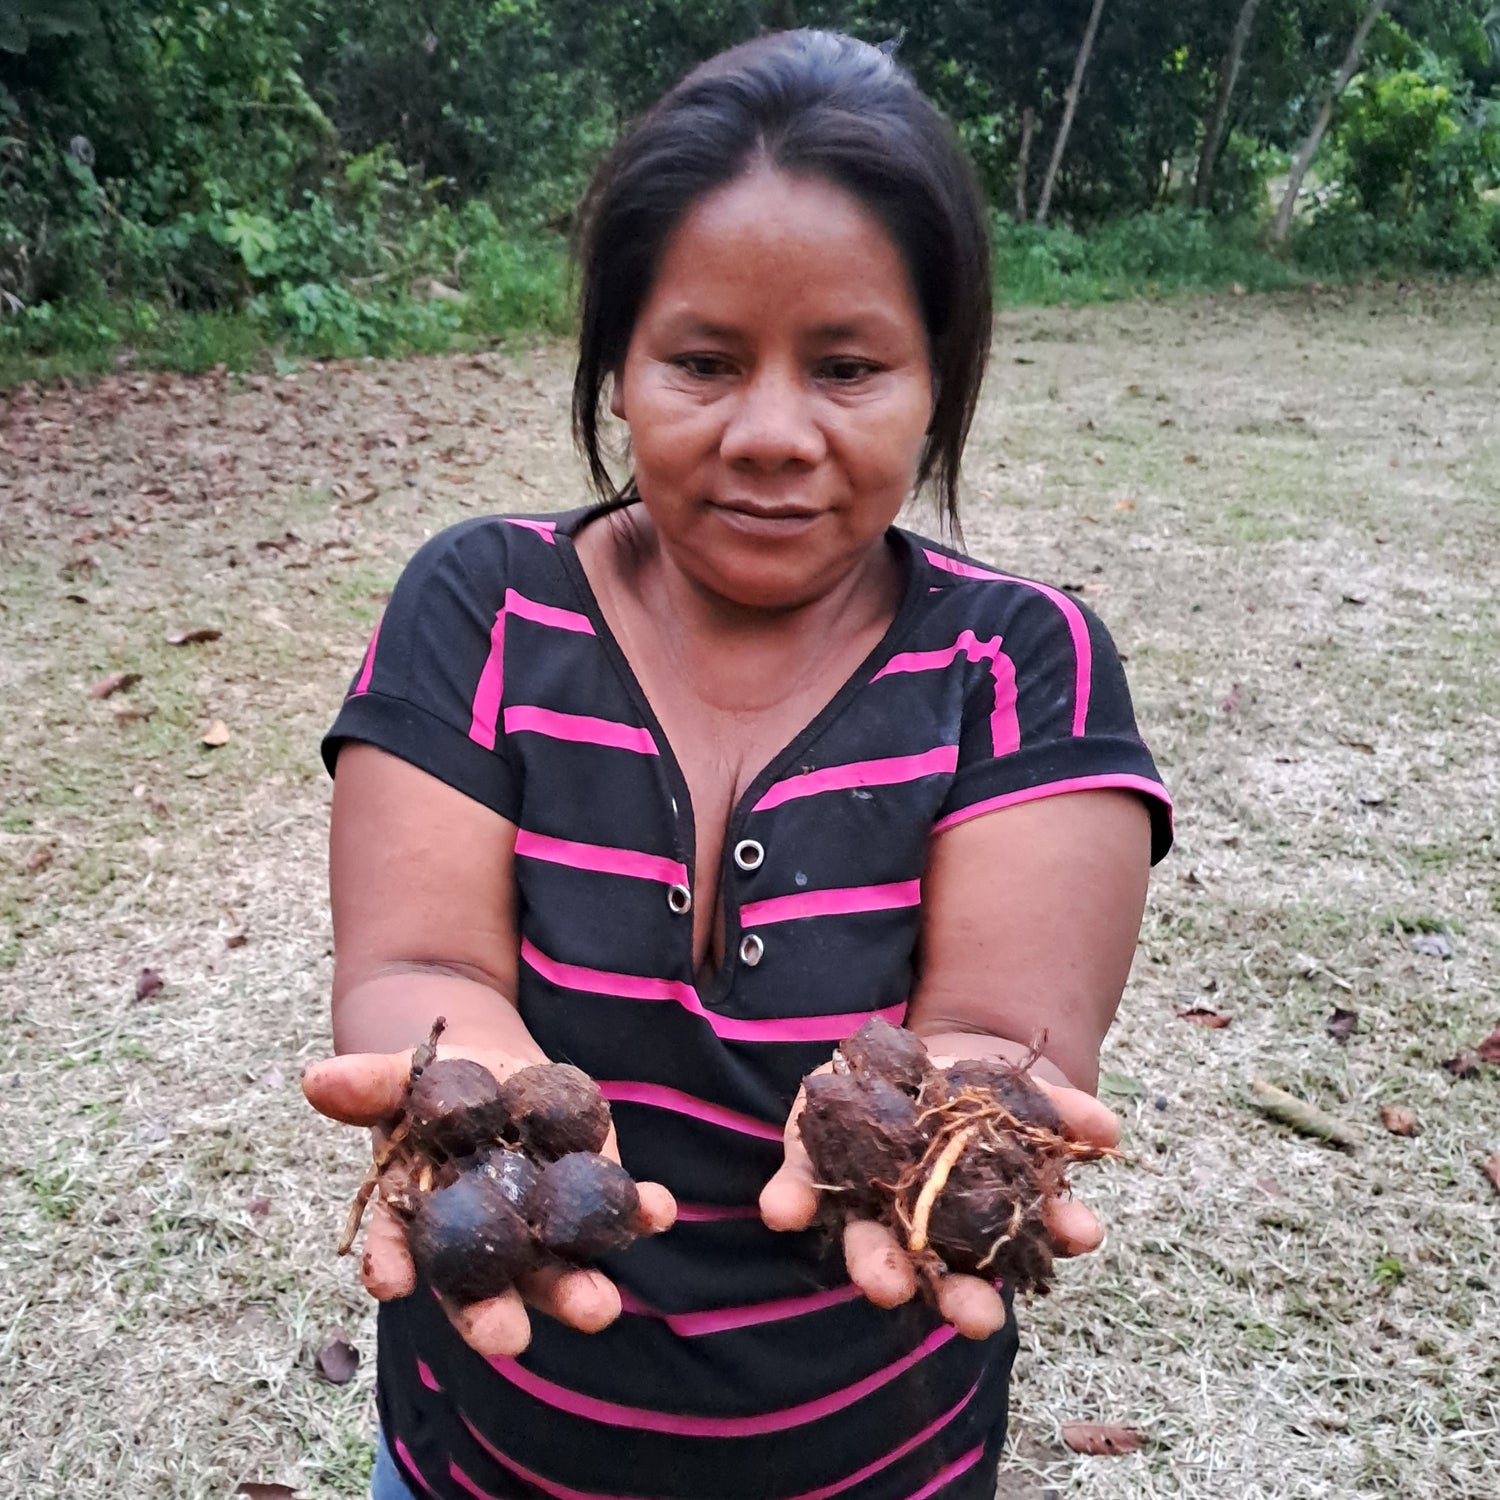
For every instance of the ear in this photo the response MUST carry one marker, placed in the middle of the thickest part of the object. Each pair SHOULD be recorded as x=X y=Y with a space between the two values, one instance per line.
x=617 y=394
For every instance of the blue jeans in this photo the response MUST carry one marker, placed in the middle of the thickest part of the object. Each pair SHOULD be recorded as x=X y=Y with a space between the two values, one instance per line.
x=387 y=1481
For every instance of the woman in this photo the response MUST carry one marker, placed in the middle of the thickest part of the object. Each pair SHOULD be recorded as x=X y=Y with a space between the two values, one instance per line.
x=683 y=787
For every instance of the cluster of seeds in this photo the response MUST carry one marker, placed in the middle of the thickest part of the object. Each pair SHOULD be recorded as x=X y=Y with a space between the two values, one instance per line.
x=493 y=1179
x=958 y=1162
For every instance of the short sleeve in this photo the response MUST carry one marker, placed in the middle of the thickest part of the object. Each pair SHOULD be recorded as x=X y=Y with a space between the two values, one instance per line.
x=1055 y=718
x=423 y=689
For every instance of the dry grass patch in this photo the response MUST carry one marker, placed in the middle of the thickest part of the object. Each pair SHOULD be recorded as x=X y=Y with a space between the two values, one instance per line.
x=1286 y=510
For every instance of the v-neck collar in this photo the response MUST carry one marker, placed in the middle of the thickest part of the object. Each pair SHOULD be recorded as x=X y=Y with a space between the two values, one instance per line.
x=909 y=556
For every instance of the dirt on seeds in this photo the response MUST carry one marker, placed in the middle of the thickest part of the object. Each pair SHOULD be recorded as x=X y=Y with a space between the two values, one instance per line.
x=1280 y=1319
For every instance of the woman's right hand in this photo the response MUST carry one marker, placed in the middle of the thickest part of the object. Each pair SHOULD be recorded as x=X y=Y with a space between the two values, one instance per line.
x=367 y=1088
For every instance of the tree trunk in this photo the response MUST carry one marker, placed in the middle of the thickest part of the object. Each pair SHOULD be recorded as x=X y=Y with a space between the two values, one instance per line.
x=1023 y=161
x=1309 y=147
x=1070 y=107
x=1229 y=74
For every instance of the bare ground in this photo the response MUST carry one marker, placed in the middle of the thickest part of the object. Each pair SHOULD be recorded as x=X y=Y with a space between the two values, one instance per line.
x=1287 y=509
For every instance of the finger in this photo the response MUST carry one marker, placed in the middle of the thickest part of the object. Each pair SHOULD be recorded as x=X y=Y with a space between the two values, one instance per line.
x=585 y=1300
x=972 y=1306
x=789 y=1201
x=1084 y=1117
x=385 y=1268
x=658 y=1210
x=877 y=1264
x=1074 y=1229
x=360 y=1088
x=497 y=1328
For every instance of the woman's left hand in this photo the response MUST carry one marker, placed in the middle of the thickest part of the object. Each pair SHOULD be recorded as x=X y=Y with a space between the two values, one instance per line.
x=879 y=1266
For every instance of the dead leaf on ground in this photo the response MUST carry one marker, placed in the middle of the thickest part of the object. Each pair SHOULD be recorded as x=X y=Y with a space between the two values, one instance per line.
x=193 y=637
x=1489 y=1049
x=1190 y=458
x=116 y=682
x=215 y=735
x=1491 y=1169
x=1342 y=1024
x=1462 y=1065
x=148 y=984
x=38 y=860
x=134 y=713
x=236 y=939
x=1201 y=1016
x=259 y=1207
x=255 y=1489
x=337 y=1360
x=1124 y=504
x=1363 y=746
x=1355 y=599
x=1432 y=945
x=1398 y=1119
x=1101 y=1439
x=1231 y=701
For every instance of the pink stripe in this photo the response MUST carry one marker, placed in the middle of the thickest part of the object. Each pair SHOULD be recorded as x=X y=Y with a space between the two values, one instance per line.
x=1005 y=727
x=410 y=1465
x=833 y=1028
x=363 y=685
x=714 y=1213
x=658 y=1096
x=722 y=1319
x=581 y=729
x=1054 y=789
x=948 y=1474
x=563 y=1492
x=425 y=1375
x=600 y=857
x=543 y=529
x=888 y=772
x=1083 y=652
x=490 y=688
x=546 y=614
x=831 y=903
x=458 y=1476
x=612 y=1414
x=910 y=1445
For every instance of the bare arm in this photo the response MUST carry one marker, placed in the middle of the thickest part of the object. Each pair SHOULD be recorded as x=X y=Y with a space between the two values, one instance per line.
x=423 y=889
x=1030 y=922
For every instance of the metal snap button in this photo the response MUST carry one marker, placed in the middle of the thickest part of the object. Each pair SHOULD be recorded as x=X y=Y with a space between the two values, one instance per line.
x=752 y=950
x=748 y=854
x=680 y=899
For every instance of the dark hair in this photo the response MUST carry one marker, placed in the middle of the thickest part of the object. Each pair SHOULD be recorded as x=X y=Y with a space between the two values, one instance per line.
x=804 y=102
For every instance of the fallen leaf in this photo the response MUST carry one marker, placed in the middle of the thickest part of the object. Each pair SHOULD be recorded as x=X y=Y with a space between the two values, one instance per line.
x=1372 y=799
x=216 y=734
x=134 y=713
x=148 y=984
x=1463 y=1065
x=1099 y=1439
x=1432 y=945
x=1201 y=1016
x=1124 y=504
x=1398 y=1119
x=1491 y=1169
x=255 y=1489
x=1190 y=458
x=259 y=1207
x=1342 y=1024
x=1489 y=1049
x=116 y=682
x=1120 y=1086
x=193 y=637
x=236 y=940
x=1231 y=701
x=1363 y=746
x=38 y=860
x=1355 y=599
x=337 y=1360
x=1303 y=1117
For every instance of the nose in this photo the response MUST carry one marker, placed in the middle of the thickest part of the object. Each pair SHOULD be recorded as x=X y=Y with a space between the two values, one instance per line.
x=772 y=423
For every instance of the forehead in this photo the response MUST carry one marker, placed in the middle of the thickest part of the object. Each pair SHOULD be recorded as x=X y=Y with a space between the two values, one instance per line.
x=784 y=245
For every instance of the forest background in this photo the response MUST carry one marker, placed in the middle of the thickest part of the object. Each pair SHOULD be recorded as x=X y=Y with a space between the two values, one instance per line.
x=200 y=182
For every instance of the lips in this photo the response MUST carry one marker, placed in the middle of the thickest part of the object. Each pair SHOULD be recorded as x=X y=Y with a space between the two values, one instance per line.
x=763 y=510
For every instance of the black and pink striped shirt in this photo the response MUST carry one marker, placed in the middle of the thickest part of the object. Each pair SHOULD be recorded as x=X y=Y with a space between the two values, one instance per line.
x=744 y=1366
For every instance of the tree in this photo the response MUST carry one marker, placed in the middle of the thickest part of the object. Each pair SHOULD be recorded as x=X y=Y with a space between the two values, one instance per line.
x=1228 y=76
x=1308 y=149
x=1070 y=107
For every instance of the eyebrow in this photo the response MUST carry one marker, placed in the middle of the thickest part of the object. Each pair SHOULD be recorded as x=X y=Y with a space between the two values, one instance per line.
x=829 y=333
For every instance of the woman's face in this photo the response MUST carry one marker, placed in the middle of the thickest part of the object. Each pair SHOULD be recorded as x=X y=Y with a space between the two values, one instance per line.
x=777 y=389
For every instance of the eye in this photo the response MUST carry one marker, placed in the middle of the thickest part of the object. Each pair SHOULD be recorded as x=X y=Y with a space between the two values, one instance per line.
x=846 y=370
x=702 y=366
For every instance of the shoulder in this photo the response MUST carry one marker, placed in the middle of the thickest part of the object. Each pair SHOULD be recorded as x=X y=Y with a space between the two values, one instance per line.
x=492 y=545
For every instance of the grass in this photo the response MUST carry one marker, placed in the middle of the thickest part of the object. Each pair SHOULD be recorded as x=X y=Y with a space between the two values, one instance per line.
x=1282 y=1320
